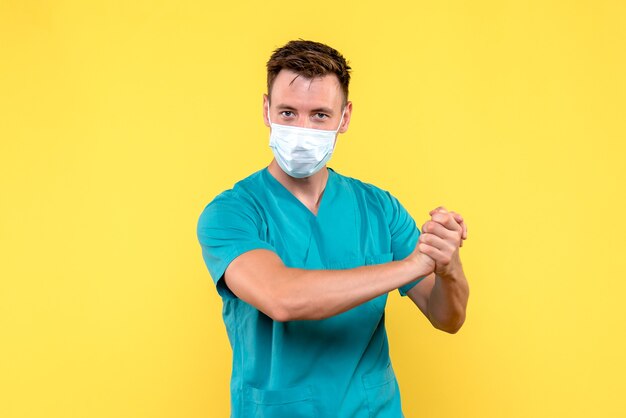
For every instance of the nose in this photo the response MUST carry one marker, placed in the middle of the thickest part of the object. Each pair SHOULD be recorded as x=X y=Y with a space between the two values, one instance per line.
x=303 y=122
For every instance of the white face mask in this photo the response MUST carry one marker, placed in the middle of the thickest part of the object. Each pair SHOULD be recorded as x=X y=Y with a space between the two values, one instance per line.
x=301 y=152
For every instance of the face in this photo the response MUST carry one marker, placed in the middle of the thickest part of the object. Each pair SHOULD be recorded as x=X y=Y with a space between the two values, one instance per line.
x=308 y=103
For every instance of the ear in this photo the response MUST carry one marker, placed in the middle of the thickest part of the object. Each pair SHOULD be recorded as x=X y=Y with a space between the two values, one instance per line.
x=346 y=118
x=266 y=104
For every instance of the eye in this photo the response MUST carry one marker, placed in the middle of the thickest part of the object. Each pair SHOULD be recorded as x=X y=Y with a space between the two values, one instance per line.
x=286 y=113
x=320 y=115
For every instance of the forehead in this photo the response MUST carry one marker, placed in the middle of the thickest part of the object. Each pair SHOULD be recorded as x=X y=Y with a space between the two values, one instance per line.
x=297 y=90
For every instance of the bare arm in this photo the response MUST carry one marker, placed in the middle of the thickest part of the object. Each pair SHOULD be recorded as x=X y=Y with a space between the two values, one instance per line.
x=260 y=278
x=442 y=301
x=442 y=296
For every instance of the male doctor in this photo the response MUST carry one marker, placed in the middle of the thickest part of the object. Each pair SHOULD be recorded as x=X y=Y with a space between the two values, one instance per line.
x=304 y=257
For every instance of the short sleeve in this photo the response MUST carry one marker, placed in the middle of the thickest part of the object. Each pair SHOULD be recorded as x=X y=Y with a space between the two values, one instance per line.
x=404 y=235
x=227 y=228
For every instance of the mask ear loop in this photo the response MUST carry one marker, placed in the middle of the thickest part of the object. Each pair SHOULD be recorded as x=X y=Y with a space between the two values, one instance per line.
x=341 y=120
x=268 y=112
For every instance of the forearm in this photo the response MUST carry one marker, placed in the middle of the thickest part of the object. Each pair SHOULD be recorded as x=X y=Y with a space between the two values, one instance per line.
x=260 y=278
x=448 y=302
x=318 y=294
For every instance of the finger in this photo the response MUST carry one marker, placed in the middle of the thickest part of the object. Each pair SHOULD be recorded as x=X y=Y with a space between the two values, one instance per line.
x=463 y=234
x=432 y=227
x=441 y=244
x=438 y=209
x=447 y=220
x=440 y=257
x=459 y=219
x=457 y=216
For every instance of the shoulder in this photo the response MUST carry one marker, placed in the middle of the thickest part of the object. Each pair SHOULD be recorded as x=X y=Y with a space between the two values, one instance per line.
x=237 y=201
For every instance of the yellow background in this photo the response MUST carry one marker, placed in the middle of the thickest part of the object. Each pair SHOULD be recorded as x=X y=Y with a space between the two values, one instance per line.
x=120 y=121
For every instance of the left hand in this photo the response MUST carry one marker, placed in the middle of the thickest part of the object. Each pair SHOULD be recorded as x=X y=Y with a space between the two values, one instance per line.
x=441 y=238
x=457 y=217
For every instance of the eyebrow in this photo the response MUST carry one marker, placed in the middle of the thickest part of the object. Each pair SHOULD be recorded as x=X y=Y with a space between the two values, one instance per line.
x=319 y=109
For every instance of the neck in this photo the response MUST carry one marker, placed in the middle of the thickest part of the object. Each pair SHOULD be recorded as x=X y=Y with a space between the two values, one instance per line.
x=308 y=190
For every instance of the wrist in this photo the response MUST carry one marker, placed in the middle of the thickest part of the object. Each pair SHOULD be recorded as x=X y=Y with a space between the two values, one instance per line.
x=419 y=266
x=452 y=273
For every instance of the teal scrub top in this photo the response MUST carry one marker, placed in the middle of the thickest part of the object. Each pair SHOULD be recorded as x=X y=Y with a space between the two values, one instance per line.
x=334 y=367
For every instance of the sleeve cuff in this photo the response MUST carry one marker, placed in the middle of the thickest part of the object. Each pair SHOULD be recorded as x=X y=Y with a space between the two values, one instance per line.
x=217 y=271
x=404 y=289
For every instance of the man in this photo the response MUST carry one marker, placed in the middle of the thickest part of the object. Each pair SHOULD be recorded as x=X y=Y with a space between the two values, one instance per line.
x=304 y=257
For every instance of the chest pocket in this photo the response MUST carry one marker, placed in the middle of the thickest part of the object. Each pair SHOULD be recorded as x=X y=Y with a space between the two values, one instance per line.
x=371 y=260
x=295 y=402
x=358 y=261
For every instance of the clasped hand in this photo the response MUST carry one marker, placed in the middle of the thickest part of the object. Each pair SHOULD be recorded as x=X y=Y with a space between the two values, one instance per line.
x=439 y=242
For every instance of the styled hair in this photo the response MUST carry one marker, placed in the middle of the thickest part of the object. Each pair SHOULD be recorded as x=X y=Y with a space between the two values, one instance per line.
x=310 y=60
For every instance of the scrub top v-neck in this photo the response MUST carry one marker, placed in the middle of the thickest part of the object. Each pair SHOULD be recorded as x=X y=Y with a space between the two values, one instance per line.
x=335 y=367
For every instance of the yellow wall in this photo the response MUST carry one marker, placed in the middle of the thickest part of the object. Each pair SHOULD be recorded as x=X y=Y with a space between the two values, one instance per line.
x=120 y=120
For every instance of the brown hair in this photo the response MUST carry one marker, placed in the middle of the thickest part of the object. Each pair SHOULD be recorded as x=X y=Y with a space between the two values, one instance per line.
x=310 y=60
